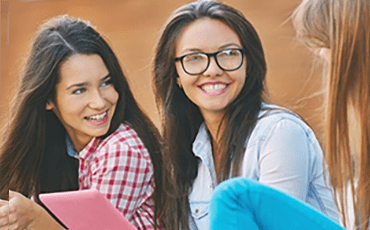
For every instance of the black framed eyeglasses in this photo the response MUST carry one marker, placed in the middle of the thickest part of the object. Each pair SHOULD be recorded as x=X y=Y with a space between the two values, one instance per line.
x=197 y=63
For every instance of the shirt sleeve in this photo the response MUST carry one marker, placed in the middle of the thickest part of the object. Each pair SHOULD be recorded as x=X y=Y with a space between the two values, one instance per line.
x=284 y=159
x=124 y=176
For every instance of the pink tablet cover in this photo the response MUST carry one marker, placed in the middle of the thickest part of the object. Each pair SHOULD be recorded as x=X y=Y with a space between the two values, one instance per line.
x=85 y=210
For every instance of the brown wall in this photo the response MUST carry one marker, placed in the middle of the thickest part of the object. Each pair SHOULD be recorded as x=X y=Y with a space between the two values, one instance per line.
x=132 y=28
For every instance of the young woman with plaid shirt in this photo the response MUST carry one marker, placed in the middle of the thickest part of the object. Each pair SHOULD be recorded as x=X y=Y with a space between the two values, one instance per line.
x=76 y=125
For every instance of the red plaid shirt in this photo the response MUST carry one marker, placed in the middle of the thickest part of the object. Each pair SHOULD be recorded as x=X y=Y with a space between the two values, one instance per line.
x=120 y=168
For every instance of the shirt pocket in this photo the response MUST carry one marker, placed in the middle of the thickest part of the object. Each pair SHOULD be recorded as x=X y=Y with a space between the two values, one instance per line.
x=199 y=211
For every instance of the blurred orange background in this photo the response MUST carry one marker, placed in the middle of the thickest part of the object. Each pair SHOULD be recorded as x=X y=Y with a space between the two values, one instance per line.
x=132 y=28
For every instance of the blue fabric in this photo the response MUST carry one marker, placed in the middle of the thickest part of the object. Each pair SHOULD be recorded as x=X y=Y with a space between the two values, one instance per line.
x=241 y=203
x=282 y=152
x=70 y=148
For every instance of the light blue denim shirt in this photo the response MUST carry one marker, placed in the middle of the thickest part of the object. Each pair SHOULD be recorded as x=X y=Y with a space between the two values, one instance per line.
x=282 y=152
x=70 y=148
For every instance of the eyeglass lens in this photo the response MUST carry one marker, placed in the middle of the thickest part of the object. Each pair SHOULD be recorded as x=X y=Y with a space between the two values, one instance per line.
x=227 y=60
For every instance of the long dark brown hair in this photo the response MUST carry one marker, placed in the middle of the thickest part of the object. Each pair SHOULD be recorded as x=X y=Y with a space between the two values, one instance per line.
x=33 y=149
x=181 y=118
x=343 y=27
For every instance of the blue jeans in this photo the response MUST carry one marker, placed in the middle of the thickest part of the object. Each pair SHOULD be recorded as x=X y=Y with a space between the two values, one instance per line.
x=240 y=203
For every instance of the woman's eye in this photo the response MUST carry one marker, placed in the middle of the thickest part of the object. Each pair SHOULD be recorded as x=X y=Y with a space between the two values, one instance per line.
x=106 y=83
x=230 y=52
x=193 y=58
x=78 y=91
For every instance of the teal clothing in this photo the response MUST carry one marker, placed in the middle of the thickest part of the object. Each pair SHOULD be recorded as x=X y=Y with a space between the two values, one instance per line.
x=241 y=203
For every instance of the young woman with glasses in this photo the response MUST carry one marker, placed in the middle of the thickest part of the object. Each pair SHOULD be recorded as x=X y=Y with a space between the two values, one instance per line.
x=76 y=125
x=209 y=77
x=339 y=32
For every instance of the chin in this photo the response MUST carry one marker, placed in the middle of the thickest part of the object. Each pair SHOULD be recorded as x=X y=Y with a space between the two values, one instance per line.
x=101 y=132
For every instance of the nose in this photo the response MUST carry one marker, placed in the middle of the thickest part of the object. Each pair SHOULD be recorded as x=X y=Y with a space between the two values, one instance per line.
x=97 y=100
x=213 y=68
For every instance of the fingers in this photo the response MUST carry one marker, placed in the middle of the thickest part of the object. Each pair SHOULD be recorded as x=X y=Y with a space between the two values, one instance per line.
x=7 y=214
x=4 y=208
x=4 y=212
x=4 y=217
x=7 y=227
x=3 y=202
x=8 y=218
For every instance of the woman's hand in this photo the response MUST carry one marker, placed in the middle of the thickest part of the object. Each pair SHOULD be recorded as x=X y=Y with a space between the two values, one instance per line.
x=20 y=213
x=4 y=214
x=17 y=213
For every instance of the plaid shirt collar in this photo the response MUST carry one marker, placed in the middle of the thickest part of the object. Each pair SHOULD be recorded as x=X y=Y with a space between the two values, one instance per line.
x=90 y=148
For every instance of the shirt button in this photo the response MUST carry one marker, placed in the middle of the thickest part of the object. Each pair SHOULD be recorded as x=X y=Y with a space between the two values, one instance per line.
x=196 y=211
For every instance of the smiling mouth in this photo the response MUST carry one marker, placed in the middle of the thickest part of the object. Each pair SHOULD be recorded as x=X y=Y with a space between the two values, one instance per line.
x=97 y=118
x=214 y=88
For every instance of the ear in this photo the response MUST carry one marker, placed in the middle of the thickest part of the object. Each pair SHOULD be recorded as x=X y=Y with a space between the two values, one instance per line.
x=49 y=105
x=178 y=81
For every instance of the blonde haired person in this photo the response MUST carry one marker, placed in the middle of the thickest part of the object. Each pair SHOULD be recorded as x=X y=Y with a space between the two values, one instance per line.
x=339 y=30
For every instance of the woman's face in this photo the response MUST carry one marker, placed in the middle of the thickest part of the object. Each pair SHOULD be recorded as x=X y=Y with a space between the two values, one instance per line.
x=214 y=89
x=85 y=98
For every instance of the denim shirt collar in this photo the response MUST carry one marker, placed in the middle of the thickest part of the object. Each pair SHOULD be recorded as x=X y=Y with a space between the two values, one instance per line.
x=70 y=148
x=202 y=148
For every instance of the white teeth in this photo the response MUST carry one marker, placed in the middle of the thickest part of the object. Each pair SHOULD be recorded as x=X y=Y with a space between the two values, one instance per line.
x=97 y=117
x=212 y=88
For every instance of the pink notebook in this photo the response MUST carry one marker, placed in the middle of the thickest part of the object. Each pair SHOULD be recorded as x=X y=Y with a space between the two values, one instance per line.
x=85 y=210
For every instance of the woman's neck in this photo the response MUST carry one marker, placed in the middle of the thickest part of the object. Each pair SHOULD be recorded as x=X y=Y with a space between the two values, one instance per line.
x=213 y=122
x=78 y=142
x=215 y=128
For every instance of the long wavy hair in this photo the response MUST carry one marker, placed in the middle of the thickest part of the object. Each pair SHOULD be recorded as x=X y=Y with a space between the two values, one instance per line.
x=181 y=118
x=33 y=149
x=343 y=27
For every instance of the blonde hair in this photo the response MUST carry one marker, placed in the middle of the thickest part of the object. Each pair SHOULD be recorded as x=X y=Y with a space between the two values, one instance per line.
x=343 y=27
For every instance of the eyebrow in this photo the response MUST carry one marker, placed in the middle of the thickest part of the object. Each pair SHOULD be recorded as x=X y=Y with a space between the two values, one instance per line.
x=82 y=84
x=106 y=77
x=230 y=44
x=221 y=47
